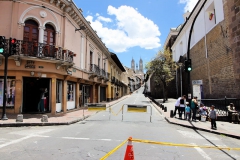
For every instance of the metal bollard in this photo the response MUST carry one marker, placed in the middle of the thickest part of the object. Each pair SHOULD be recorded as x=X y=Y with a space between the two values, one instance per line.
x=162 y=107
x=171 y=114
x=44 y=118
x=19 y=118
x=165 y=109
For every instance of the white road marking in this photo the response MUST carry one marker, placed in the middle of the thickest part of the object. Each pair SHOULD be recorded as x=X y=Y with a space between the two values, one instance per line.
x=31 y=132
x=41 y=136
x=76 y=138
x=189 y=134
x=135 y=99
x=202 y=153
x=15 y=141
x=26 y=137
x=105 y=139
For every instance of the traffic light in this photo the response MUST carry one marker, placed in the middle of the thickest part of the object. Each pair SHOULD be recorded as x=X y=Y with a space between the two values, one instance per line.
x=2 y=44
x=13 y=46
x=188 y=65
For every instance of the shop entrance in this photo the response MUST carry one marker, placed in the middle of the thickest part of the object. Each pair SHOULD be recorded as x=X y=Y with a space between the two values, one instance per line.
x=102 y=94
x=36 y=95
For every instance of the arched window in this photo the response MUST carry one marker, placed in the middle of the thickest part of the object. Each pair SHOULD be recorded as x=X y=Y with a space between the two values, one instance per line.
x=49 y=35
x=30 y=31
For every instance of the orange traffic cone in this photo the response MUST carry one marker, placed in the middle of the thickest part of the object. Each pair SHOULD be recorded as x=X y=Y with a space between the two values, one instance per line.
x=129 y=155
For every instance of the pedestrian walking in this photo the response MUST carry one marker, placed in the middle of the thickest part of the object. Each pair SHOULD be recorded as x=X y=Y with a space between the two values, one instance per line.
x=182 y=108
x=177 y=105
x=213 y=117
x=194 y=108
x=188 y=111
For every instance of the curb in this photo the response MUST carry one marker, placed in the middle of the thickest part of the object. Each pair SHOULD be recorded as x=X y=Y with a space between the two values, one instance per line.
x=203 y=129
x=194 y=127
x=22 y=124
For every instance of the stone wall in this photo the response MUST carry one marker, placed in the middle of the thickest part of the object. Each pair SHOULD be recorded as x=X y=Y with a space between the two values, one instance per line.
x=217 y=62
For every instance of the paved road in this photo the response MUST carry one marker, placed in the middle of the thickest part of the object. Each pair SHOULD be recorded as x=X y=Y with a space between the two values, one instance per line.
x=97 y=135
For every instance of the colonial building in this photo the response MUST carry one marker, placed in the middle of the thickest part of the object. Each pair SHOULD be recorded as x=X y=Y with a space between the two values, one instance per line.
x=60 y=63
x=214 y=49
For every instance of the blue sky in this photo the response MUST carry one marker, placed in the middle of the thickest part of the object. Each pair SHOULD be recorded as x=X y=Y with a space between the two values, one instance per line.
x=134 y=28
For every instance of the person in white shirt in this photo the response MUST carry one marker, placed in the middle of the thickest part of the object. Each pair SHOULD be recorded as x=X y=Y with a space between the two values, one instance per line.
x=177 y=106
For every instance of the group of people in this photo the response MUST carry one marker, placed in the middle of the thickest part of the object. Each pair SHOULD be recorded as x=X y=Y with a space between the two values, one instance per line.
x=189 y=110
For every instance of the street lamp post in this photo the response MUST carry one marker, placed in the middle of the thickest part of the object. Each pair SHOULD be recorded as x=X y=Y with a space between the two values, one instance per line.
x=163 y=77
x=188 y=46
x=180 y=65
x=8 y=48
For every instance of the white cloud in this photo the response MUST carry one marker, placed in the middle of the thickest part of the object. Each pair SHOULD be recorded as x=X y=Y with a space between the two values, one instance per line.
x=131 y=29
x=190 y=4
x=101 y=18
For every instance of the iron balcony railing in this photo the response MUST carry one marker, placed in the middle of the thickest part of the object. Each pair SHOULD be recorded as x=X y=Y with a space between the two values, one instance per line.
x=221 y=104
x=94 y=69
x=107 y=75
x=113 y=79
x=103 y=73
x=43 y=51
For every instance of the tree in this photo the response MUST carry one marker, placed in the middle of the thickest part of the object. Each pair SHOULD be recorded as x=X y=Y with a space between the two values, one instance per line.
x=163 y=67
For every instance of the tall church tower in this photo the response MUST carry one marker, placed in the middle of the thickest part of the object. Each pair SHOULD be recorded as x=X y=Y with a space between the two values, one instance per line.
x=136 y=68
x=133 y=64
x=141 y=65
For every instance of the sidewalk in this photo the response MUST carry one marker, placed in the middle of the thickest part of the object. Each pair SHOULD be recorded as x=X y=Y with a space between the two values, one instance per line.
x=61 y=119
x=223 y=128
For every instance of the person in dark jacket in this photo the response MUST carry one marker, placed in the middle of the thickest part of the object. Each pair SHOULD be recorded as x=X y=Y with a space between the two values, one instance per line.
x=194 y=107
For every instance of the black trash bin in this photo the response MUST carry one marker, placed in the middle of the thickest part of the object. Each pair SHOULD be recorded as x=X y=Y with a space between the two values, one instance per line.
x=165 y=109
x=171 y=114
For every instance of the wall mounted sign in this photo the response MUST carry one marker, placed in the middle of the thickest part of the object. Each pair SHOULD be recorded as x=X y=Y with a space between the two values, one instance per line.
x=197 y=82
x=30 y=64
x=69 y=72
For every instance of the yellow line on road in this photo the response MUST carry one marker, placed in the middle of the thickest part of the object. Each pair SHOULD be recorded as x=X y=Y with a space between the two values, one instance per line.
x=166 y=144
x=117 y=112
x=114 y=150
x=182 y=145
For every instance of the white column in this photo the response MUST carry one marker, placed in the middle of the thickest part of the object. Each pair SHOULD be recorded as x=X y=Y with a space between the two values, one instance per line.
x=181 y=77
x=41 y=34
x=57 y=39
x=82 y=53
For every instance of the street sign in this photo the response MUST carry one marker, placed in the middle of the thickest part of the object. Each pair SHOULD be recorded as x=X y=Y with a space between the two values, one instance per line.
x=197 y=82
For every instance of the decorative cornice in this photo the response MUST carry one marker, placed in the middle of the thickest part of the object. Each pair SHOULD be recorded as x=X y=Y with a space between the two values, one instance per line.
x=69 y=7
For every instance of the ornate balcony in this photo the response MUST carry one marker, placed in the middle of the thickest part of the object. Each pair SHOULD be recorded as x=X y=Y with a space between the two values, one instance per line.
x=101 y=74
x=94 y=71
x=113 y=80
x=27 y=49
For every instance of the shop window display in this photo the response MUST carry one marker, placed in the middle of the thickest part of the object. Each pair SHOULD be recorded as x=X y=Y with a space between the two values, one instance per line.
x=70 y=92
x=10 y=101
